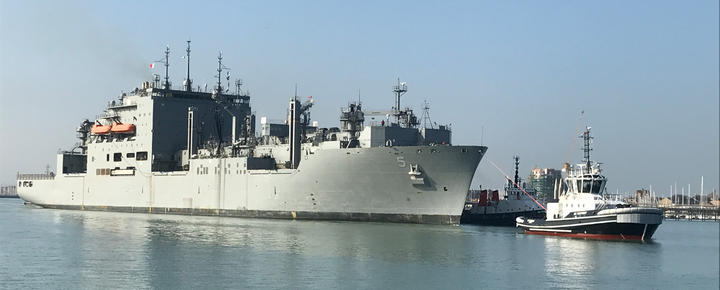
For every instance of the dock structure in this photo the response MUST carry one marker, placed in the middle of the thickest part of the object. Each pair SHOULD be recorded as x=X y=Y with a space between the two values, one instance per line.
x=691 y=212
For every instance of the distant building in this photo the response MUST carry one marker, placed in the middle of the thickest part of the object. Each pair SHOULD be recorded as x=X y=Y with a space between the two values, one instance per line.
x=644 y=197
x=665 y=202
x=8 y=191
x=544 y=181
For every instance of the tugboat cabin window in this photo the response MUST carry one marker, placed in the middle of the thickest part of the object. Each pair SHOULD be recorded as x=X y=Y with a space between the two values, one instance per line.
x=117 y=157
x=597 y=186
x=589 y=185
x=142 y=155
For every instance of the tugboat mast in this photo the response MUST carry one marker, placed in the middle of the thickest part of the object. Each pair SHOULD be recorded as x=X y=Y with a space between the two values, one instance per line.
x=587 y=149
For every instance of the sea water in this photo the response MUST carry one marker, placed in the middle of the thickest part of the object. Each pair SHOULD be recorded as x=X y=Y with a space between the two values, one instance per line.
x=61 y=249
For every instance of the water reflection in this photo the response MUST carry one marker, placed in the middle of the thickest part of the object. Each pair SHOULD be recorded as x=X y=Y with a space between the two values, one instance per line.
x=183 y=251
x=574 y=263
x=54 y=249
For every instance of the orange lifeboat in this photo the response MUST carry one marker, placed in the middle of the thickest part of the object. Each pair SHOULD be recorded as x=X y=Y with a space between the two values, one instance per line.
x=100 y=129
x=123 y=128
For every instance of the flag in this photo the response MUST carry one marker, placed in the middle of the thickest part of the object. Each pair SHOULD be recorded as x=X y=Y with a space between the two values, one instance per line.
x=152 y=65
x=309 y=97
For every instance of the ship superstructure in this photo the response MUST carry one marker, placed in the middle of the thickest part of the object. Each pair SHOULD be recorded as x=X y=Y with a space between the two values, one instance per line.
x=185 y=150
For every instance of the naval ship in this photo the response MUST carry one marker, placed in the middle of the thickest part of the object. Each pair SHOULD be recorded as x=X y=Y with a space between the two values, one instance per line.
x=184 y=150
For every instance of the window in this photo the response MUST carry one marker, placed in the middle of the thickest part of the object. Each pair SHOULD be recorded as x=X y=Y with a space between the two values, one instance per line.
x=117 y=157
x=107 y=157
x=130 y=155
x=142 y=155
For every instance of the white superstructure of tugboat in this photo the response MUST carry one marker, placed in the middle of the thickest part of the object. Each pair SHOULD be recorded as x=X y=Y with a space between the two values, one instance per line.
x=185 y=150
x=487 y=207
x=583 y=212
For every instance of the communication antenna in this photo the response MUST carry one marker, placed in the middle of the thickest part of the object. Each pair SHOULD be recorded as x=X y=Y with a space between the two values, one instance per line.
x=399 y=90
x=238 y=84
x=166 y=85
x=188 y=82
x=156 y=80
x=219 y=75
x=426 y=115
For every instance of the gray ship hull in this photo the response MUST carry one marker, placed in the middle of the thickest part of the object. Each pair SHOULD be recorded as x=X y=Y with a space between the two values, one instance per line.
x=357 y=184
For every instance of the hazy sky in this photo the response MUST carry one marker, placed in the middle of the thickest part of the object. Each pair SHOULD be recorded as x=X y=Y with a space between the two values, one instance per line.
x=514 y=75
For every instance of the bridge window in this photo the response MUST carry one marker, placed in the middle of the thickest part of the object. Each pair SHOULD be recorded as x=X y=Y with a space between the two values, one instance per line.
x=142 y=155
x=130 y=155
x=117 y=157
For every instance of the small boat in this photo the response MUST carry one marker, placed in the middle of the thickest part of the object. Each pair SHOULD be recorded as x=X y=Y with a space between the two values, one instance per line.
x=100 y=129
x=484 y=207
x=582 y=212
x=122 y=128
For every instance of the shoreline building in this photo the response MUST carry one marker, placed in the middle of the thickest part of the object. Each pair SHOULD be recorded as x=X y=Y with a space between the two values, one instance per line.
x=547 y=183
x=8 y=191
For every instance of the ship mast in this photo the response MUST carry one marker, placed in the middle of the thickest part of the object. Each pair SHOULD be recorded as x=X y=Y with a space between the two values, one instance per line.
x=399 y=90
x=586 y=149
x=218 y=86
x=517 y=166
x=188 y=82
x=167 y=64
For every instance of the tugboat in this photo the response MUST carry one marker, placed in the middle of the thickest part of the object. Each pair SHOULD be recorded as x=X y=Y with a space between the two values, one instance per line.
x=484 y=207
x=582 y=212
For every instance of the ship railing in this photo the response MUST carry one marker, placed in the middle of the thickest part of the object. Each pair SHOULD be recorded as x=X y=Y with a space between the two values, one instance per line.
x=70 y=152
x=121 y=104
x=107 y=115
x=43 y=176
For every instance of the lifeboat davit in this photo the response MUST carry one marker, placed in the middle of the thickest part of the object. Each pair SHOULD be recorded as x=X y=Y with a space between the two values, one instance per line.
x=123 y=128
x=100 y=129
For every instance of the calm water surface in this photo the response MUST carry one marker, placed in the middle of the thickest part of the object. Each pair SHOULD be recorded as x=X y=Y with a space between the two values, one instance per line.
x=56 y=249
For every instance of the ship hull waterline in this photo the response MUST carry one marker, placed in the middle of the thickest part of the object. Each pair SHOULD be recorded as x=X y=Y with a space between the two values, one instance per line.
x=635 y=226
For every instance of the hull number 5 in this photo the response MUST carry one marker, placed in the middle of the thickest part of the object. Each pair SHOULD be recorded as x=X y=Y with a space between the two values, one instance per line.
x=401 y=161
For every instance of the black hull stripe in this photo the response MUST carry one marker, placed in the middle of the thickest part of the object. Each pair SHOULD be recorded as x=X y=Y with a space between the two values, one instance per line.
x=300 y=215
x=601 y=231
